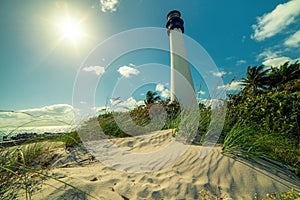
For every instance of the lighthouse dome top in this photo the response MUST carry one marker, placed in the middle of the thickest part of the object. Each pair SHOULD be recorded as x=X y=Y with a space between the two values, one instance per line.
x=173 y=13
x=174 y=21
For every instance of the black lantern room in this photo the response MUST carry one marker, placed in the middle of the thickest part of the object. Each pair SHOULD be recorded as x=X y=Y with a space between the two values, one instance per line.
x=174 y=21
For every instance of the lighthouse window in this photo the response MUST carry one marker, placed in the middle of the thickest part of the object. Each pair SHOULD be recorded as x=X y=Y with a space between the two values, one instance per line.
x=176 y=24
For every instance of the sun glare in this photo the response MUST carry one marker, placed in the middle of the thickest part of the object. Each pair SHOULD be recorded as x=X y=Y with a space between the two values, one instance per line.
x=71 y=30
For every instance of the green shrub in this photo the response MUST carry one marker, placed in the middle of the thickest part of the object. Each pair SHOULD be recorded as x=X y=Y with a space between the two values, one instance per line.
x=109 y=126
x=290 y=195
x=70 y=139
x=254 y=141
x=267 y=123
x=275 y=111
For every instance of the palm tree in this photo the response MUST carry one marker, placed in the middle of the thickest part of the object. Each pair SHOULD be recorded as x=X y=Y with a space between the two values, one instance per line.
x=152 y=97
x=284 y=74
x=256 y=78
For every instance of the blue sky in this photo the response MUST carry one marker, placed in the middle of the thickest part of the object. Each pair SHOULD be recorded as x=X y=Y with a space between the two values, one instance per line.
x=40 y=58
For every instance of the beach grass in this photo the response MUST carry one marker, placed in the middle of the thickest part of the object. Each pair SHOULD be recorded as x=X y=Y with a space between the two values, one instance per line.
x=69 y=139
x=254 y=141
x=17 y=165
x=24 y=167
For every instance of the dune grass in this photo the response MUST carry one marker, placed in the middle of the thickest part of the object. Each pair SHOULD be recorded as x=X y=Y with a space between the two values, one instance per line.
x=69 y=139
x=254 y=141
x=22 y=167
x=17 y=166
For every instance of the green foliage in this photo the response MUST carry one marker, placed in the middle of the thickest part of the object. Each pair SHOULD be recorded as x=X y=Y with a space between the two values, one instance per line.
x=18 y=164
x=70 y=139
x=266 y=122
x=204 y=119
x=109 y=125
x=141 y=117
x=254 y=141
x=263 y=119
x=275 y=111
x=286 y=73
x=256 y=77
x=21 y=169
x=243 y=139
x=290 y=195
x=152 y=97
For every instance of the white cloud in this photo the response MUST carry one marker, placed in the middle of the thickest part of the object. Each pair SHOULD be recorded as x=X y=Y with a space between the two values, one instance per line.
x=127 y=71
x=128 y=104
x=58 y=114
x=131 y=65
x=274 y=59
x=274 y=22
x=115 y=101
x=201 y=92
x=102 y=109
x=267 y=54
x=219 y=73
x=233 y=86
x=240 y=62
x=275 y=62
x=221 y=87
x=160 y=87
x=109 y=5
x=165 y=93
x=229 y=58
x=293 y=40
x=98 y=70
x=56 y=109
x=243 y=38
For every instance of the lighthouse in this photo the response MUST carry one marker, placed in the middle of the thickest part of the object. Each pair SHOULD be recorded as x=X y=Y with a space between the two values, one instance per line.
x=179 y=62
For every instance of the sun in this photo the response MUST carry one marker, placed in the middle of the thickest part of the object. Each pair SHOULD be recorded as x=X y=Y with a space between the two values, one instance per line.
x=71 y=29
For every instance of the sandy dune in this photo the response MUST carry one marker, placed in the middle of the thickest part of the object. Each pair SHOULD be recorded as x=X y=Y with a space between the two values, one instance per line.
x=187 y=176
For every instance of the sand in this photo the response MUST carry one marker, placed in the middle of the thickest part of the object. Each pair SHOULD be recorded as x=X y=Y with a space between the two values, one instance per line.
x=187 y=173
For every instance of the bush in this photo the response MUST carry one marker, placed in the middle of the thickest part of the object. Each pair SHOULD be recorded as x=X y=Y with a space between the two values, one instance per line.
x=290 y=195
x=70 y=139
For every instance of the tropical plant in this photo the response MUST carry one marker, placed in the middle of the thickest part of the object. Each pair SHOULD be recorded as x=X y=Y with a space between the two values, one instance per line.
x=283 y=74
x=255 y=78
x=266 y=122
x=152 y=97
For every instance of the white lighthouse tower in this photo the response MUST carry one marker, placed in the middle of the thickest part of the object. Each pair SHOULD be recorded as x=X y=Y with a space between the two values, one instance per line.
x=179 y=62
